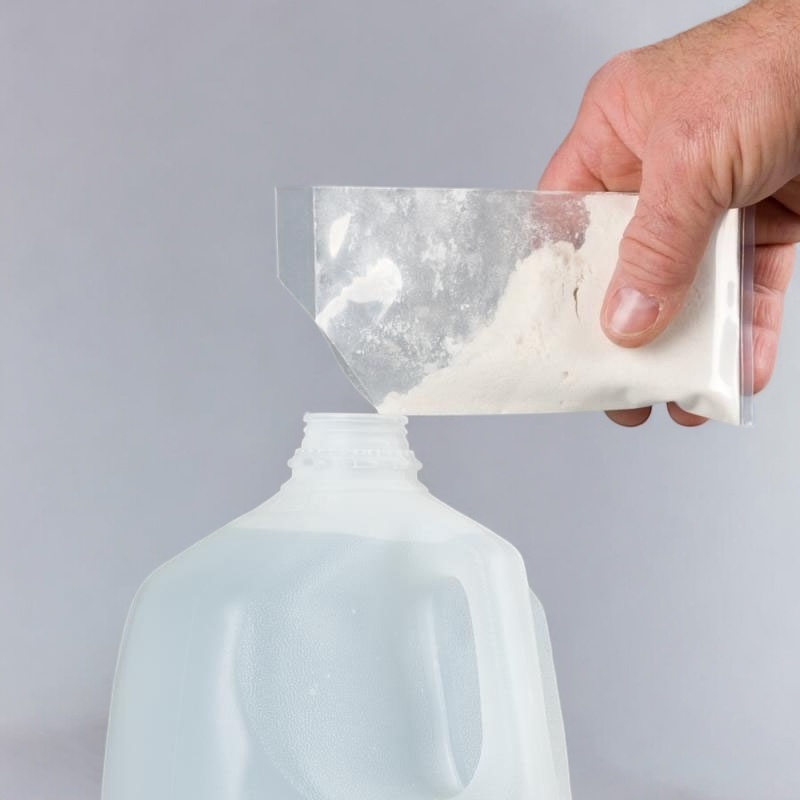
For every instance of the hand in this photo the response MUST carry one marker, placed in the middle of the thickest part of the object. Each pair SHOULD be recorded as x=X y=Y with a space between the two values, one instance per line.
x=697 y=124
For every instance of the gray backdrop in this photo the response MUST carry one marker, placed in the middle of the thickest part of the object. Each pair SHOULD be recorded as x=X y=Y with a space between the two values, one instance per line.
x=153 y=371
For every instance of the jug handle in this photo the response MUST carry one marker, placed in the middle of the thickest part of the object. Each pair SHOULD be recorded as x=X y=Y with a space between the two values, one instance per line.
x=514 y=720
x=555 y=719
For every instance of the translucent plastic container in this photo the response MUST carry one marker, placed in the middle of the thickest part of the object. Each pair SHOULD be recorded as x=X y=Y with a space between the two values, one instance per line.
x=351 y=639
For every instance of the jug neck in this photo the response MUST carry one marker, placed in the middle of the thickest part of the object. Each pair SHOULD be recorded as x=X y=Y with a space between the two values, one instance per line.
x=356 y=449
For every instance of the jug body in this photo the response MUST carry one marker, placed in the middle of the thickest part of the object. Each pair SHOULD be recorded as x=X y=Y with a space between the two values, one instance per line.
x=351 y=639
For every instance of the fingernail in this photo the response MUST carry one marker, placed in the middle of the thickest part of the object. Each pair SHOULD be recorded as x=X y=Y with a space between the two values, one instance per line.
x=631 y=312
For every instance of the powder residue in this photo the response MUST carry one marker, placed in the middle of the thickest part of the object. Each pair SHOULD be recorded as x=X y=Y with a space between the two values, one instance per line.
x=544 y=350
x=381 y=283
x=337 y=234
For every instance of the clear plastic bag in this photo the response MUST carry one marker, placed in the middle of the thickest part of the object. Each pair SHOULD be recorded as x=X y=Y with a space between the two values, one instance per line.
x=473 y=301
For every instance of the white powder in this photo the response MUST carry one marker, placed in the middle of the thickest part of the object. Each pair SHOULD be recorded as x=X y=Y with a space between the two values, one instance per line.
x=337 y=234
x=381 y=283
x=544 y=349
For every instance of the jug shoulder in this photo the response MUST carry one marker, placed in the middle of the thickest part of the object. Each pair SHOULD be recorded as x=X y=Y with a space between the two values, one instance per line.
x=238 y=557
x=492 y=541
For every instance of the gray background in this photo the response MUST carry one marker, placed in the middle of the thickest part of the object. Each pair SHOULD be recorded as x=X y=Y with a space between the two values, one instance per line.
x=153 y=372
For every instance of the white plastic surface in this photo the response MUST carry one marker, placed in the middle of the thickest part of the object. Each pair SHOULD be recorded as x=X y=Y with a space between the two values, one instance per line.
x=351 y=639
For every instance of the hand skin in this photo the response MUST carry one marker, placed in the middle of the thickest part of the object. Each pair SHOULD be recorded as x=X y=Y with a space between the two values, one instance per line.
x=702 y=122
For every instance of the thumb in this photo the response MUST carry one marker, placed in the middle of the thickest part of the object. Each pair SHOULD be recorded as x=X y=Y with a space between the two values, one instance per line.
x=660 y=251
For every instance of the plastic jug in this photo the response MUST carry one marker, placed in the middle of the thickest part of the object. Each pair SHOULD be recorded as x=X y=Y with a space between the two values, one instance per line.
x=350 y=639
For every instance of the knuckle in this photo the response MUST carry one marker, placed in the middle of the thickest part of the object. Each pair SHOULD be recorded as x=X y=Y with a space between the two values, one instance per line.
x=651 y=262
x=686 y=149
x=699 y=152
x=624 y=62
x=694 y=132
x=616 y=70
x=685 y=131
x=767 y=309
x=774 y=267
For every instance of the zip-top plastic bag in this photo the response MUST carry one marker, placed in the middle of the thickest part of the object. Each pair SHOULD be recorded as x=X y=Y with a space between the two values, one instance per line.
x=474 y=301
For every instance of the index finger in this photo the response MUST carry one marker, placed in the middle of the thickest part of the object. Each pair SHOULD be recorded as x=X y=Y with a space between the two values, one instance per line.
x=567 y=171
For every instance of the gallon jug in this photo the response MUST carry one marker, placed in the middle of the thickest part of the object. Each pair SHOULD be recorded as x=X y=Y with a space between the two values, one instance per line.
x=353 y=638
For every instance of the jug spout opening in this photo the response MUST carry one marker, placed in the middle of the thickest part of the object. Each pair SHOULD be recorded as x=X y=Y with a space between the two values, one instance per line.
x=369 y=443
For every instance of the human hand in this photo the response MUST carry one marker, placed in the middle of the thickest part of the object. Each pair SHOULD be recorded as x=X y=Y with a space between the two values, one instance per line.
x=702 y=122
